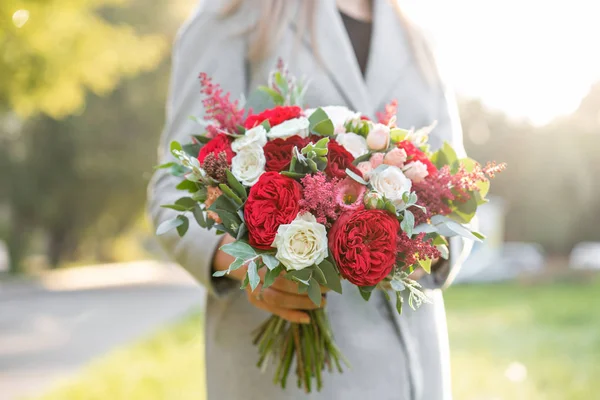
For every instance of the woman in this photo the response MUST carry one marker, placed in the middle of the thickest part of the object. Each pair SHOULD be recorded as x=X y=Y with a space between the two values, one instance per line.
x=360 y=54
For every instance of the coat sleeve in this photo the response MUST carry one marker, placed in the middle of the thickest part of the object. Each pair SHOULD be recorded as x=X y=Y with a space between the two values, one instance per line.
x=206 y=43
x=448 y=130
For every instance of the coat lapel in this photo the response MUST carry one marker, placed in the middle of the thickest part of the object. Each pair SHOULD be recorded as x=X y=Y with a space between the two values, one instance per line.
x=387 y=54
x=337 y=55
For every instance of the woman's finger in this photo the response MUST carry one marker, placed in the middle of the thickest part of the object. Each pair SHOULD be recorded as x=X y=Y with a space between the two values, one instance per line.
x=279 y=299
x=295 y=316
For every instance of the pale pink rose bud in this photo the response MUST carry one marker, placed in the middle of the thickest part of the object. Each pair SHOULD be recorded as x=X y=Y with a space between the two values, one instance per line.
x=365 y=168
x=396 y=157
x=373 y=200
x=379 y=137
x=416 y=171
x=376 y=160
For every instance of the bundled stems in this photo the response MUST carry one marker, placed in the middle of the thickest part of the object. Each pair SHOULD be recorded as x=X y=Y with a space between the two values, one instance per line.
x=311 y=346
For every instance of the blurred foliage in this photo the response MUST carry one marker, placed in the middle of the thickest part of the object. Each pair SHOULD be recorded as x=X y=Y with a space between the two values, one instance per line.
x=78 y=182
x=550 y=187
x=53 y=51
x=544 y=328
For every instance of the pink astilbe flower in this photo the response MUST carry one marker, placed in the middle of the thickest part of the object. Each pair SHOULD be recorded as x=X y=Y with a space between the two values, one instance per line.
x=226 y=114
x=319 y=198
x=349 y=194
x=410 y=251
x=389 y=112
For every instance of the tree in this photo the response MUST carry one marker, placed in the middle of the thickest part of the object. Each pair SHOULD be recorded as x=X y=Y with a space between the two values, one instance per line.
x=54 y=52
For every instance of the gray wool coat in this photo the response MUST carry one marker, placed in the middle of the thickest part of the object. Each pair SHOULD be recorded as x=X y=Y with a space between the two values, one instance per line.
x=393 y=357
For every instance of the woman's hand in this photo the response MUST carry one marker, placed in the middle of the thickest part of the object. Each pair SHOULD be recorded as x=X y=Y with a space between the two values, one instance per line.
x=281 y=298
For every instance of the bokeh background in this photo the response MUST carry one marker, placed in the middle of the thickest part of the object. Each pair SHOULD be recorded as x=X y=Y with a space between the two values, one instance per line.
x=91 y=309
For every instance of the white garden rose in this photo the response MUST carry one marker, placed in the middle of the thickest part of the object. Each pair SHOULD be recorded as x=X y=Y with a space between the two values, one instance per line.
x=249 y=164
x=254 y=136
x=291 y=127
x=301 y=243
x=390 y=182
x=339 y=115
x=355 y=144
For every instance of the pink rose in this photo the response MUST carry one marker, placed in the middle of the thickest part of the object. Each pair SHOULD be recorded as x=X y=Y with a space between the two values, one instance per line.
x=416 y=171
x=379 y=137
x=396 y=157
x=376 y=160
x=366 y=168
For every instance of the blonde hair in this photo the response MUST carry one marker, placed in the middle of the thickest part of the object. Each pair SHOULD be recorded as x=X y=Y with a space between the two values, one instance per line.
x=266 y=34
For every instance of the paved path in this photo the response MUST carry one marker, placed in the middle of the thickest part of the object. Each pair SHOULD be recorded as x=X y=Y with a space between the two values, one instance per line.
x=52 y=327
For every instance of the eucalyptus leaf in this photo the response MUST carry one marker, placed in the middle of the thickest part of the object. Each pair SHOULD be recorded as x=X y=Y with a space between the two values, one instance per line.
x=199 y=216
x=165 y=165
x=239 y=249
x=192 y=149
x=319 y=275
x=169 y=224
x=239 y=189
x=202 y=139
x=408 y=223
x=331 y=276
x=229 y=193
x=189 y=186
x=365 y=294
x=218 y=274
x=236 y=264
x=242 y=231
x=314 y=292
x=187 y=202
x=174 y=207
x=356 y=177
x=270 y=261
x=183 y=228
x=253 y=277
x=271 y=275
x=399 y=302
x=397 y=285
x=424 y=228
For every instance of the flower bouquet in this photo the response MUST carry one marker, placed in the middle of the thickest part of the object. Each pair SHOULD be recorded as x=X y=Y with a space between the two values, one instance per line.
x=319 y=195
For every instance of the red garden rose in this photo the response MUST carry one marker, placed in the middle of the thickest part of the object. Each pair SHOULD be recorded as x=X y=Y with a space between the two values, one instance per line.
x=338 y=159
x=219 y=143
x=272 y=201
x=413 y=153
x=278 y=152
x=363 y=244
x=275 y=116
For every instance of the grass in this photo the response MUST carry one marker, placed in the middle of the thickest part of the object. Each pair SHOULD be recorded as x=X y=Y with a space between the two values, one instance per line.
x=549 y=333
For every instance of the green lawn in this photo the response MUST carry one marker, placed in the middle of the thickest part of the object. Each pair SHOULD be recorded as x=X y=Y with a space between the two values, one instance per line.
x=549 y=333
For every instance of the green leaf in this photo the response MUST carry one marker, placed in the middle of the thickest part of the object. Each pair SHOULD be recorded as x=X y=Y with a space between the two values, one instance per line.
x=445 y=253
x=165 y=165
x=229 y=193
x=390 y=207
x=178 y=170
x=294 y=175
x=424 y=228
x=245 y=282
x=356 y=177
x=318 y=116
x=200 y=195
x=175 y=146
x=266 y=124
x=426 y=265
x=479 y=235
x=230 y=222
x=183 y=228
x=303 y=276
x=218 y=274
x=263 y=99
x=319 y=275
x=302 y=288
x=324 y=128
x=364 y=157
x=199 y=216
x=192 y=149
x=281 y=82
x=270 y=261
x=439 y=240
x=314 y=292
x=365 y=294
x=189 y=186
x=239 y=189
x=449 y=228
x=169 y=224
x=412 y=198
x=236 y=264
x=331 y=276
x=223 y=203
x=174 y=207
x=187 y=202
x=239 y=250
x=202 y=139
x=398 y=135
x=253 y=277
x=408 y=223
x=399 y=302
x=242 y=231
x=271 y=275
